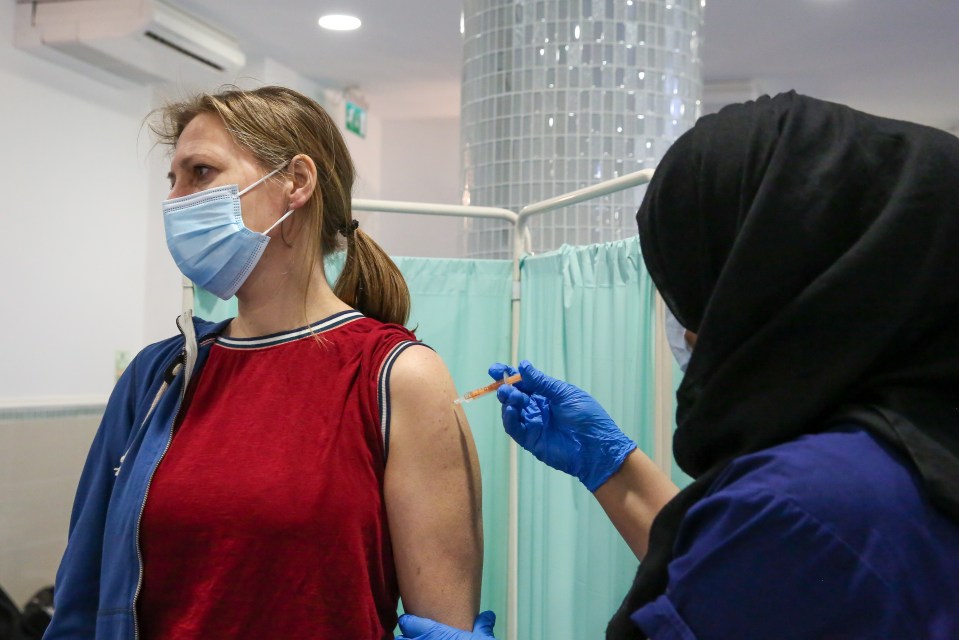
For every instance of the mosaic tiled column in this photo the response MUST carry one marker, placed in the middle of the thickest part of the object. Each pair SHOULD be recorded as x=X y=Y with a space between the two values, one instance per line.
x=560 y=94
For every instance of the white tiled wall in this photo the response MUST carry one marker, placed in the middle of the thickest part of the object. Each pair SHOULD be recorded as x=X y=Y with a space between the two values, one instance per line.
x=561 y=94
x=41 y=457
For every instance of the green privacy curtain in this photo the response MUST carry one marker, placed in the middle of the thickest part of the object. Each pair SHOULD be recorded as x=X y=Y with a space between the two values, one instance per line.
x=461 y=308
x=587 y=317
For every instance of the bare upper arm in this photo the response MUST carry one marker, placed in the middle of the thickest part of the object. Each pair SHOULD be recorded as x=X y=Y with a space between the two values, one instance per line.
x=433 y=493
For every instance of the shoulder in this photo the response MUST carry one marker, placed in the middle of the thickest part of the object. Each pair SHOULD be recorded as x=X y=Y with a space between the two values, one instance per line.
x=421 y=394
x=417 y=372
x=750 y=559
x=845 y=474
x=846 y=483
x=381 y=344
x=154 y=360
x=372 y=331
x=382 y=331
x=829 y=534
x=159 y=354
x=426 y=423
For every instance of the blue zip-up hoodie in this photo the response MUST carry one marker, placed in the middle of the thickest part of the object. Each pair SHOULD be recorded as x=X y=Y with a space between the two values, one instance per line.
x=100 y=574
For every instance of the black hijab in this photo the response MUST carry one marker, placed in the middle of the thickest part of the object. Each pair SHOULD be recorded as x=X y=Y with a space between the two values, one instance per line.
x=814 y=249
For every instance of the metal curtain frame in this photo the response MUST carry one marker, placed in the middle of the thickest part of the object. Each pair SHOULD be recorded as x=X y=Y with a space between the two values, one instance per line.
x=521 y=248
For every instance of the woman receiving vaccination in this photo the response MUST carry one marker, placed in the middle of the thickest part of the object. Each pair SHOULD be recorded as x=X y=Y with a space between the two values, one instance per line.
x=264 y=477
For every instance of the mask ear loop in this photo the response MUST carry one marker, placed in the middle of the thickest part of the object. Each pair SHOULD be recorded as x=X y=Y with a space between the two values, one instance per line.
x=259 y=182
x=282 y=218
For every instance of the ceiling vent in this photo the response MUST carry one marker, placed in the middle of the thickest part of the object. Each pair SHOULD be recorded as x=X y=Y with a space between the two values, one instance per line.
x=128 y=41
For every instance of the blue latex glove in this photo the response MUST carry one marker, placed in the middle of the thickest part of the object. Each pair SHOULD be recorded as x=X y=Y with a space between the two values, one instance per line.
x=417 y=628
x=561 y=425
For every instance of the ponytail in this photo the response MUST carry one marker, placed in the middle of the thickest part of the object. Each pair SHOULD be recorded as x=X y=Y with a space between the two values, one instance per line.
x=371 y=282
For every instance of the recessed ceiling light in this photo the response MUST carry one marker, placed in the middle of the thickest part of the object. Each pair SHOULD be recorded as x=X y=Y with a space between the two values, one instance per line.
x=340 y=22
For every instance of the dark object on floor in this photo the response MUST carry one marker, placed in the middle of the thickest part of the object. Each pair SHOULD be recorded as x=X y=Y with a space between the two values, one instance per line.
x=36 y=615
x=32 y=622
x=9 y=618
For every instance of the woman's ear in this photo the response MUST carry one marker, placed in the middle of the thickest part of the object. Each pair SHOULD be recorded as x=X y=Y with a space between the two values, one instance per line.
x=303 y=174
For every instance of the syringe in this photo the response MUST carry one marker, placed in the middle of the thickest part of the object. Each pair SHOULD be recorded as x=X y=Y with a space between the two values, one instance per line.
x=493 y=386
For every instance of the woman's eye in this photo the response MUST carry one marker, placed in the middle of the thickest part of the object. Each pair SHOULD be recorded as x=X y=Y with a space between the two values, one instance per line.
x=201 y=171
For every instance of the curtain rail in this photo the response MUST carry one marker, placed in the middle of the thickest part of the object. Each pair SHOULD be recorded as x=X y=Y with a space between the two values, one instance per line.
x=587 y=193
x=423 y=208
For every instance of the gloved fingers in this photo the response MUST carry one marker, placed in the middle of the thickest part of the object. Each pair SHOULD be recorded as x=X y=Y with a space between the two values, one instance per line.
x=414 y=626
x=512 y=424
x=484 y=623
x=498 y=370
x=510 y=395
x=535 y=381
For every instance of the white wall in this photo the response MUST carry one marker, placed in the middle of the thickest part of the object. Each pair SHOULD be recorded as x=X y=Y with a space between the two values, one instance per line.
x=73 y=220
x=40 y=463
x=406 y=158
x=420 y=162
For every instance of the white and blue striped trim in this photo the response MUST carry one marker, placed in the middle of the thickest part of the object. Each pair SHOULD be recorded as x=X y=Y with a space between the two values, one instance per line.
x=383 y=391
x=262 y=342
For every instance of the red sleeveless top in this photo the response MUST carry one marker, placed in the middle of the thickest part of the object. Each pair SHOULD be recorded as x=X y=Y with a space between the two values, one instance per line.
x=265 y=518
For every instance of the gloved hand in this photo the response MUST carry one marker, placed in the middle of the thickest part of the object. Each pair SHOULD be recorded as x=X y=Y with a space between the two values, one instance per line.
x=417 y=628
x=561 y=425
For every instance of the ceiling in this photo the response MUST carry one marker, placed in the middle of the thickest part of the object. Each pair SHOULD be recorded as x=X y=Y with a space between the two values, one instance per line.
x=898 y=58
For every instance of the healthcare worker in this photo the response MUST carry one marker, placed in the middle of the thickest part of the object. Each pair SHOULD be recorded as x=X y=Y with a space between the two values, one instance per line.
x=812 y=253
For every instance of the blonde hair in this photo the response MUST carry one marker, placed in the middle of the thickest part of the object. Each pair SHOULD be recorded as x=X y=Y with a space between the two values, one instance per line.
x=275 y=124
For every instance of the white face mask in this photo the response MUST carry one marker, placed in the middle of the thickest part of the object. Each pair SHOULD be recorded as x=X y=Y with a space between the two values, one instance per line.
x=676 y=336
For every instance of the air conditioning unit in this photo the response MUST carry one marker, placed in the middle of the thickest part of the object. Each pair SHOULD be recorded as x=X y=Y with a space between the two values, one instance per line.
x=124 y=41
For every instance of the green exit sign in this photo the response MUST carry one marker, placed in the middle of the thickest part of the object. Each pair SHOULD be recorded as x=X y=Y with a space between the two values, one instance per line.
x=356 y=119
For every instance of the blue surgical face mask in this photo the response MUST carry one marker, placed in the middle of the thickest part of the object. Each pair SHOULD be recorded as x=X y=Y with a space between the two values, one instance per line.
x=676 y=336
x=208 y=240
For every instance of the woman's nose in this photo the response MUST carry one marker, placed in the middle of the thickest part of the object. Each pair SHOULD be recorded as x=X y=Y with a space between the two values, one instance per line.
x=178 y=192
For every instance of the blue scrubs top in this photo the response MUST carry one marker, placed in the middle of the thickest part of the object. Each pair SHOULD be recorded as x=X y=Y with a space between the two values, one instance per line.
x=828 y=536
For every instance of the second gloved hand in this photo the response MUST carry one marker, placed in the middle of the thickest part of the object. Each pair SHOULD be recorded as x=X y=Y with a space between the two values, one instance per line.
x=416 y=628
x=561 y=425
